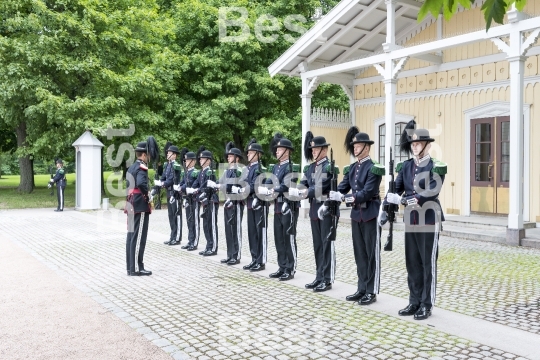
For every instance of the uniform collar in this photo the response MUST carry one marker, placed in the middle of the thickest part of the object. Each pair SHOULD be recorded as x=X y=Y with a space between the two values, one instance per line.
x=206 y=167
x=284 y=162
x=191 y=168
x=322 y=160
x=253 y=163
x=142 y=162
x=361 y=161
x=420 y=161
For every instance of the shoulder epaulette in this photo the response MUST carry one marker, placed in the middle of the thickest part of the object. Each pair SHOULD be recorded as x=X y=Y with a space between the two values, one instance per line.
x=346 y=169
x=271 y=168
x=439 y=167
x=195 y=173
x=144 y=167
x=296 y=168
x=306 y=168
x=238 y=173
x=336 y=169
x=378 y=169
x=61 y=171
x=176 y=166
x=261 y=169
x=208 y=172
x=399 y=166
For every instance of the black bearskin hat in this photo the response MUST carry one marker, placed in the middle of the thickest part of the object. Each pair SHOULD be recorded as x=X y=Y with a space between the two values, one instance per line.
x=404 y=144
x=349 y=146
x=308 y=153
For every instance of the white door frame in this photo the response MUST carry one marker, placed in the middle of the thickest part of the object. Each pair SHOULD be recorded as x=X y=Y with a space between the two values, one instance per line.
x=488 y=110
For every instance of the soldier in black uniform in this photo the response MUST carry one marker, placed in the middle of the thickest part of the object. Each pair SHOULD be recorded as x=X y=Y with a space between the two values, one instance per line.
x=171 y=177
x=138 y=211
x=60 y=180
x=257 y=211
x=209 y=200
x=317 y=178
x=285 y=211
x=233 y=208
x=419 y=181
x=362 y=179
x=188 y=188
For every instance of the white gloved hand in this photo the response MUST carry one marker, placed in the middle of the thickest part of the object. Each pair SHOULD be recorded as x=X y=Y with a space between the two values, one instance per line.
x=176 y=187
x=49 y=185
x=51 y=181
x=264 y=191
x=186 y=203
x=321 y=211
x=211 y=184
x=349 y=199
x=255 y=204
x=412 y=201
x=172 y=200
x=335 y=196
x=295 y=192
x=150 y=198
x=157 y=183
x=235 y=189
x=190 y=190
x=393 y=198
x=285 y=210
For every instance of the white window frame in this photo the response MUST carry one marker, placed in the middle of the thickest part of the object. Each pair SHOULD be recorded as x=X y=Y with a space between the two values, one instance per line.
x=399 y=118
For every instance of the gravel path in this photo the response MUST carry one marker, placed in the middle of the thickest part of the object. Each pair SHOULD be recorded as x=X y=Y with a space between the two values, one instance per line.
x=43 y=316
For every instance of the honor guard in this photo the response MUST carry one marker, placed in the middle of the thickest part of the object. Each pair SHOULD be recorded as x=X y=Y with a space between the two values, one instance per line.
x=138 y=208
x=257 y=211
x=233 y=208
x=209 y=201
x=188 y=188
x=417 y=186
x=60 y=180
x=317 y=178
x=170 y=179
x=285 y=211
x=363 y=178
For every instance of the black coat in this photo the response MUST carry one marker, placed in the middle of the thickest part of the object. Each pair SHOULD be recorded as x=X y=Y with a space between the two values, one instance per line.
x=363 y=180
x=202 y=180
x=253 y=173
x=280 y=188
x=171 y=175
x=137 y=188
x=317 y=179
x=60 y=178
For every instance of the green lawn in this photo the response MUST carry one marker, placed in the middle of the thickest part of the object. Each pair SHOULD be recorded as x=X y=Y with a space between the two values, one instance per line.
x=10 y=198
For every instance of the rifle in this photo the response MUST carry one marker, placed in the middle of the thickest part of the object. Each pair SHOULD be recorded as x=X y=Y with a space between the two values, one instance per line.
x=262 y=220
x=51 y=169
x=390 y=209
x=156 y=190
x=333 y=206
x=294 y=206
x=208 y=191
x=232 y=219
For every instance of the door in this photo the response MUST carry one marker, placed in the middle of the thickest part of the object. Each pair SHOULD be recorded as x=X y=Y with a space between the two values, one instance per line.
x=490 y=165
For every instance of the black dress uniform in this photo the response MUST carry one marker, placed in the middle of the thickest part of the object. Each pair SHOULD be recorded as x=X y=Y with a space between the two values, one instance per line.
x=138 y=210
x=209 y=206
x=285 y=222
x=172 y=175
x=191 y=205
x=60 y=180
x=233 y=213
x=317 y=180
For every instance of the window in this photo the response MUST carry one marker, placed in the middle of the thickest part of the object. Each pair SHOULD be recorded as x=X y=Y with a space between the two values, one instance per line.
x=398 y=156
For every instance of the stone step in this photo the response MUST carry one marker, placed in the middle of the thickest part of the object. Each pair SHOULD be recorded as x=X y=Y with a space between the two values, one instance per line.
x=530 y=242
x=477 y=224
x=470 y=233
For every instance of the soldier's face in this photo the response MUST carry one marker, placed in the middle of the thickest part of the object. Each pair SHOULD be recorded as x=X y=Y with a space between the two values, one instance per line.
x=58 y=165
x=282 y=153
x=252 y=156
x=361 y=150
x=171 y=155
x=319 y=152
x=204 y=161
x=190 y=163
x=230 y=159
x=417 y=147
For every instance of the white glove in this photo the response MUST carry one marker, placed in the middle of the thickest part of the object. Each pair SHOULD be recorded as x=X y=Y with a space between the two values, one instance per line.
x=235 y=189
x=212 y=184
x=176 y=187
x=186 y=203
x=412 y=201
x=157 y=183
x=190 y=190
x=393 y=198
x=255 y=205
x=49 y=185
x=335 y=196
x=285 y=209
x=228 y=204
x=51 y=181
x=321 y=211
x=150 y=198
x=264 y=191
x=349 y=199
x=172 y=200
x=295 y=192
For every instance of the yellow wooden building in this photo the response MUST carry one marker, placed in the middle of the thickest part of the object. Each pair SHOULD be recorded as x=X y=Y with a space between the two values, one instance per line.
x=474 y=90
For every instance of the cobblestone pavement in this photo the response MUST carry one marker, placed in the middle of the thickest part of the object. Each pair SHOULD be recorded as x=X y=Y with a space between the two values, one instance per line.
x=489 y=281
x=193 y=308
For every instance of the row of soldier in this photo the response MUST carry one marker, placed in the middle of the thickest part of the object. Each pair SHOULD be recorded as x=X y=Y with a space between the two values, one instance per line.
x=283 y=185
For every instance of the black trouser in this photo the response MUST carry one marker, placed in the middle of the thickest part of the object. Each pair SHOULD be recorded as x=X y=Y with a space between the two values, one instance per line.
x=257 y=221
x=285 y=243
x=60 y=197
x=210 y=226
x=233 y=230
x=421 y=253
x=136 y=241
x=367 y=255
x=193 y=224
x=325 y=254
x=175 y=218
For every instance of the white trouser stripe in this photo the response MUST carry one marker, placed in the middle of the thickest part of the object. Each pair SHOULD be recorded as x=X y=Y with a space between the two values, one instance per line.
x=61 y=197
x=292 y=242
x=214 y=235
x=332 y=262
x=377 y=256
x=178 y=223
x=239 y=231
x=434 y=260
x=196 y=216
x=264 y=235
x=139 y=236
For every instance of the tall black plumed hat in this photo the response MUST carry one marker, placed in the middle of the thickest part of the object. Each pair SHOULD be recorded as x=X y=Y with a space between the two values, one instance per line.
x=151 y=148
x=404 y=143
x=351 y=133
x=183 y=153
x=308 y=154
x=201 y=149
x=166 y=148
x=230 y=149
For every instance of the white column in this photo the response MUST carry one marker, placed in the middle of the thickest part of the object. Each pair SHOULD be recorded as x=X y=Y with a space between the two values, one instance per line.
x=515 y=231
x=390 y=90
x=352 y=110
x=390 y=21
x=306 y=125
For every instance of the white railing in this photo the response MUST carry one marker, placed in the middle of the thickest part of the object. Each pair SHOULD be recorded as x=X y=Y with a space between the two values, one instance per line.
x=330 y=118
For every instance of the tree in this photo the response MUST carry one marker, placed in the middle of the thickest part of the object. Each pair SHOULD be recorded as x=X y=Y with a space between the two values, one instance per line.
x=493 y=10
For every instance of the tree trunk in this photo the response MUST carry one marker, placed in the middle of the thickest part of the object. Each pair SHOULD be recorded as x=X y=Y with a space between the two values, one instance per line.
x=25 y=164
